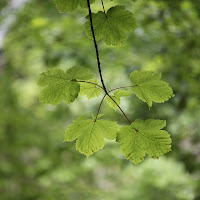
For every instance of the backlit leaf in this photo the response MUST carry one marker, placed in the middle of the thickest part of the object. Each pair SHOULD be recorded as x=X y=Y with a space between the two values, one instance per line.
x=144 y=137
x=149 y=87
x=89 y=134
x=112 y=28
x=60 y=85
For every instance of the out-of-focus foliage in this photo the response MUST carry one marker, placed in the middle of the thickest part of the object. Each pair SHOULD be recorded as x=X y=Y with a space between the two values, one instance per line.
x=3 y=3
x=34 y=161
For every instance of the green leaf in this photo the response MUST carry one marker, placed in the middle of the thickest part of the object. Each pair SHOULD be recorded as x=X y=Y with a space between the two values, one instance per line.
x=144 y=137
x=149 y=87
x=70 y=5
x=83 y=3
x=117 y=95
x=90 y=134
x=60 y=85
x=114 y=28
x=90 y=90
x=79 y=73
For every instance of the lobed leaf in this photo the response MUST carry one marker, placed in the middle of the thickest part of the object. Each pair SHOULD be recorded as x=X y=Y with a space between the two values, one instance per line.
x=79 y=73
x=149 y=87
x=144 y=137
x=89 y=134
x=112 y=28
x=60 y=85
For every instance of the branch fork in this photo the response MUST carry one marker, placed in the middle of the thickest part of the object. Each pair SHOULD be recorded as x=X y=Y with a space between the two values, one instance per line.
x=99 y=66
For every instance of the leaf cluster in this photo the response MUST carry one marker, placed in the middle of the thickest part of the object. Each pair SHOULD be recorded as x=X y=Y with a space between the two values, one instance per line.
x=137 y=139
x=140 y=137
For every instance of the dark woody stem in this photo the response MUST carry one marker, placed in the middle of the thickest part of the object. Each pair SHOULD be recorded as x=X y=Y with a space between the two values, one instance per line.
x=96 y=47
x=99 y=107
x=99 y=65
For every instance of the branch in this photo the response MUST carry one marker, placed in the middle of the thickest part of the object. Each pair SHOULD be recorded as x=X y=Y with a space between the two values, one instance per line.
x=103 y=8
x=119 y=108
x=99 y=64
x=100 y=107
x=96 y=47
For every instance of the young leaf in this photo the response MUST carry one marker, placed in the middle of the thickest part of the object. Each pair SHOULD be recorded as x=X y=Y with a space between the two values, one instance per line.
x=149 y=87
x=90 y=134
x=117 y=95
x=144 y=137
x=70 y=5
x=113 y=27
x=60 y=85
x=90 y=90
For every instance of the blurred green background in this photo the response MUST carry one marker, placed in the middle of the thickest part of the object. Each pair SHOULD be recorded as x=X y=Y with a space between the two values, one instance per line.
x=34 y=162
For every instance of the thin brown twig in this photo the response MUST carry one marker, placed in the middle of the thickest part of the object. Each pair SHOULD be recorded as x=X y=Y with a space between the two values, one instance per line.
x=120 y=108
x=100 y=107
